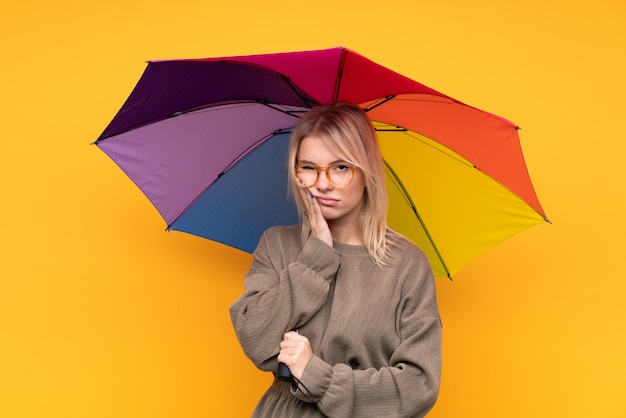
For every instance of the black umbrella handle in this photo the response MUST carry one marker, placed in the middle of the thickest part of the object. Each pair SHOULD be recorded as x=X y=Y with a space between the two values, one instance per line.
x=284 y=373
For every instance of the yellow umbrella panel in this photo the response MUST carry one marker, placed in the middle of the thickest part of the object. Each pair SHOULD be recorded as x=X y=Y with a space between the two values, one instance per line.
x=440 y=201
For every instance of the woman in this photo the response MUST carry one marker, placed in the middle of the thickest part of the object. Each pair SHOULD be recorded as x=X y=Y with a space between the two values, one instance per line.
x=361 y=297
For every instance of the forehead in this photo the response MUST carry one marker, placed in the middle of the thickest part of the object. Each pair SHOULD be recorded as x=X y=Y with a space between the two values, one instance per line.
x=315 y=149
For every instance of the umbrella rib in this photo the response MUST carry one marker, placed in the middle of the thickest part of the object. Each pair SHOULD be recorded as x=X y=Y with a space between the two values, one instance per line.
x=407 y=196
x=442 y=150
x=306 y=100
x=224 y=171
x=380 y=102
x=391 y=129
x=342 y=62
x=293 y=87
x=418 y=137
x=293 y=113
x=250 y=149
x=463 y=161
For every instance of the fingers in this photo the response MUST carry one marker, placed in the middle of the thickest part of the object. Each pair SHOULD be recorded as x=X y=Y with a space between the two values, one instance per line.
x=317 y=222
x=295 y=352
x=290 y=349
x=307 y=198
x=293 y=340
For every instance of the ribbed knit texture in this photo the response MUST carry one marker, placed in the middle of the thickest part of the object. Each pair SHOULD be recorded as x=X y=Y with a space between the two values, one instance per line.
x=375 y=333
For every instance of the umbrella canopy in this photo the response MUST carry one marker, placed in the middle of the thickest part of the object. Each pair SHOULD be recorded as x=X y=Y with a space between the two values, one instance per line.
x=206 y=141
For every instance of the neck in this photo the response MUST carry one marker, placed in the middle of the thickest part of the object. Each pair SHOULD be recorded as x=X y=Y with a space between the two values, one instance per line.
x=345 y=233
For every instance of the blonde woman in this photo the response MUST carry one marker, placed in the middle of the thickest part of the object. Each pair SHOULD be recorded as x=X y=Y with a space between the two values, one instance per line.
x=361 y=297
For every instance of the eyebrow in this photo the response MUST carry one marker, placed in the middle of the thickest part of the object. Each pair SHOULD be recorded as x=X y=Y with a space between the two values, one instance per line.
x=331 y=163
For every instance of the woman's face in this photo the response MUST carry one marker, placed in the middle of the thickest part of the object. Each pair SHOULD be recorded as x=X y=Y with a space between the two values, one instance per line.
x=338 y=205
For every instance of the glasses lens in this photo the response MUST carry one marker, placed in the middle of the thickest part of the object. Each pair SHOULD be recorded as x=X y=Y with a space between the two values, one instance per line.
x=306 y=174
x=340 y=174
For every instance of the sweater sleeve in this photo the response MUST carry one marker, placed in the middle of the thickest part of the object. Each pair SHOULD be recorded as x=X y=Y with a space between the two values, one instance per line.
x=408 y=387
x=281 y=295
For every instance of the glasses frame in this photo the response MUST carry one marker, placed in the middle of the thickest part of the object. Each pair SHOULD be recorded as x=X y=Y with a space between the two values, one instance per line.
x=319 y=169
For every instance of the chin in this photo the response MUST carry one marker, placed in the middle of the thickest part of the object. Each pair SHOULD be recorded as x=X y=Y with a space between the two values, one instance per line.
x=329 y=215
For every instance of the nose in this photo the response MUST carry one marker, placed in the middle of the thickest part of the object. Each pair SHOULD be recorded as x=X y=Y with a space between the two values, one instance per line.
x=323 y=181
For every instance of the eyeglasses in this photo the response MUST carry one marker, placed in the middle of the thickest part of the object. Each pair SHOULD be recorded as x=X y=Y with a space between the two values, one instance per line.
x=340 y=175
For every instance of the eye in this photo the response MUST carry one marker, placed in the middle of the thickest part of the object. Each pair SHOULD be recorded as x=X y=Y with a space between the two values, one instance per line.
x=307 y=167
x=341 y=167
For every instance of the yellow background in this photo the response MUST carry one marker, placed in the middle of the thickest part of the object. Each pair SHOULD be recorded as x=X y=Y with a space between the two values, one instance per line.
x=102 y=314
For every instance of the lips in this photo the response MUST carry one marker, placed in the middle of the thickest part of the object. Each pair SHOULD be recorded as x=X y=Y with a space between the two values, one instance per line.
x=326 y=201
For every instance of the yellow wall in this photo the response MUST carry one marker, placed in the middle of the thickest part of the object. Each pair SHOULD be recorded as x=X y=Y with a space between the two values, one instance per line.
x=102 y=314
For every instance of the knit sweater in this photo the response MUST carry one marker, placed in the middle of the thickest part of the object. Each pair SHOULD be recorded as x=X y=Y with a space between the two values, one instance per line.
x=375 y=332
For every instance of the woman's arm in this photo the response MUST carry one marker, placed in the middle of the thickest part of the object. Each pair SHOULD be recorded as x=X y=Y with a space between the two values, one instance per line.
x=281 y=295
x=407 y=388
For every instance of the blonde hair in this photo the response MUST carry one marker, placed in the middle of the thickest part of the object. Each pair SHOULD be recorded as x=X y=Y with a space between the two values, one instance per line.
x=346 y=129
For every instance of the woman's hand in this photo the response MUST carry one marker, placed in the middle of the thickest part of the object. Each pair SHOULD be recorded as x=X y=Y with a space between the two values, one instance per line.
x=319 y=226
x=295 y=352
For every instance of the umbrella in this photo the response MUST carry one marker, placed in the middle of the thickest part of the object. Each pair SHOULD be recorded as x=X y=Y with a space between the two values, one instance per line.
x=206 y=139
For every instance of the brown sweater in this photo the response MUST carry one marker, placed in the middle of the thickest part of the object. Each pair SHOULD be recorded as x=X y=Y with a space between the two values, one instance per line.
x=375 y=333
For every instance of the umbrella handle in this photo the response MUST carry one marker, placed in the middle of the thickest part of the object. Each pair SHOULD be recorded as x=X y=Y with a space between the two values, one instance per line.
x=284 y=373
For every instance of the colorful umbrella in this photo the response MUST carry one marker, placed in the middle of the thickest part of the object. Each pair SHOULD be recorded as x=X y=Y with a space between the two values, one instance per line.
x=206 y=139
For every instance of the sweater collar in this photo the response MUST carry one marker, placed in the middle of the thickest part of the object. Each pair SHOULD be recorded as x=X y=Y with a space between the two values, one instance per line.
x=358 y=250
